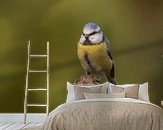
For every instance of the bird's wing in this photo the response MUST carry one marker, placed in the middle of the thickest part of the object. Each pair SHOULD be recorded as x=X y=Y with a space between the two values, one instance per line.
x=109 y=51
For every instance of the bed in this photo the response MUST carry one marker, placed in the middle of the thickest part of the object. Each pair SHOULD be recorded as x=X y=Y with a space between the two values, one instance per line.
x=105 y=113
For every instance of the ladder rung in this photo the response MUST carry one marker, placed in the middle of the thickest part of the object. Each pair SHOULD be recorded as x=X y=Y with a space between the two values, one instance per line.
x=37 y=105
x=37 y=70
x=38 y=56
x=37 y=89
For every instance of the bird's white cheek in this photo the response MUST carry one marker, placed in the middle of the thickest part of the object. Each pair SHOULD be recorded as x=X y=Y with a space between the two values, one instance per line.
x=92 y=39
x=82 y=39
x=96 y=38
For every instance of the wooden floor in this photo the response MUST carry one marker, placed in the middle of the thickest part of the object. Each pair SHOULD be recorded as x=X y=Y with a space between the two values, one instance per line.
x=17 y=126
x=15 y=121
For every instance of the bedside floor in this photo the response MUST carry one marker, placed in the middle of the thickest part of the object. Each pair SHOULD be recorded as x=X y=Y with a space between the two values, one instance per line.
x=15 y=121
x=17 y=126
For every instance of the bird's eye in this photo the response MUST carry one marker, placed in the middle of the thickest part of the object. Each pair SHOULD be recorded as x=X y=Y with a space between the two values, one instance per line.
x=92 y=33
x=95 y=32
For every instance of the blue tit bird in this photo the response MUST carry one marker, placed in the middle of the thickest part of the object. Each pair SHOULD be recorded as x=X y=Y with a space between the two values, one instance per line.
x=95 y=54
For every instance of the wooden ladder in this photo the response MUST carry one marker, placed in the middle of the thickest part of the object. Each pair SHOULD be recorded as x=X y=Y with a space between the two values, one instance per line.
x=36 y=89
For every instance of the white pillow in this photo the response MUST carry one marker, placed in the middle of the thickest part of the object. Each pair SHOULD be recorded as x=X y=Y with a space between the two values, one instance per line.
x=103 y=95
x=143 y=90
x=71 y=93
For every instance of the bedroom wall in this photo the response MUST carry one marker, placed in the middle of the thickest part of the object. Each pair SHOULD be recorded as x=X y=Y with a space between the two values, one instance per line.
x=134 y=27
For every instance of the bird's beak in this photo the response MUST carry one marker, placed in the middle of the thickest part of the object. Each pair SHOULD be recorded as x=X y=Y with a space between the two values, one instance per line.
x=86 y=36
x=87 y=41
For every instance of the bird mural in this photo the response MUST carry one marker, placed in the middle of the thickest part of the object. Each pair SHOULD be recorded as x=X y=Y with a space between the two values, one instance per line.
x=95 y=54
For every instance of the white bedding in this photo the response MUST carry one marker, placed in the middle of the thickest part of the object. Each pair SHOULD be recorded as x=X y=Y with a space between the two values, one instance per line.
x=106 y=114
x=128 y=100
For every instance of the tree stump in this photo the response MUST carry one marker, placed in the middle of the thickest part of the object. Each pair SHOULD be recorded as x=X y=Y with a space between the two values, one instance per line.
x=86 y=79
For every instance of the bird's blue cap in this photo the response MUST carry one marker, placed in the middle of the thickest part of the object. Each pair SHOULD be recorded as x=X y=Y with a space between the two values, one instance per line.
x=91 y=27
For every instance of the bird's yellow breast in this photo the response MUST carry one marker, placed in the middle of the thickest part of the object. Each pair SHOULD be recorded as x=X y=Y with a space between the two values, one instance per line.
x=97 y=55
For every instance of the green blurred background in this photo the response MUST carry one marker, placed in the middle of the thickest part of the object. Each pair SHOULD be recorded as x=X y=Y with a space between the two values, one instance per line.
x=134 y=27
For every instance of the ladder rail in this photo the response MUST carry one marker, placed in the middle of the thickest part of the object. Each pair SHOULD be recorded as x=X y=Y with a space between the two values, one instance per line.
x=47 y=109
x=26 y=86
